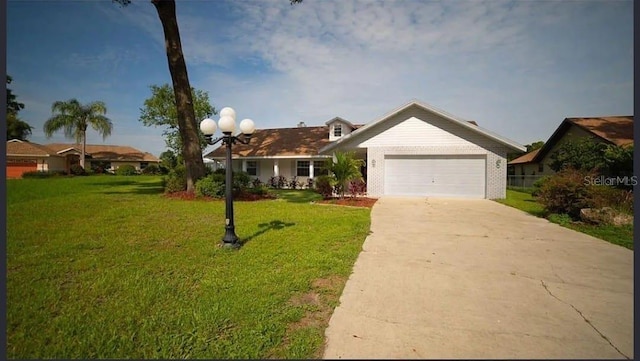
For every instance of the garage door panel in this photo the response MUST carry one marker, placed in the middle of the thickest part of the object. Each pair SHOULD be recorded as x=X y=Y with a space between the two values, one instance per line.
x=441 y=176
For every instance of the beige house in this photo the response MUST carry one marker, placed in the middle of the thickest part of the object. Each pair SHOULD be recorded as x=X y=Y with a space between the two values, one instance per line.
x=616 y=130
x=415 y=150
x=25 y=156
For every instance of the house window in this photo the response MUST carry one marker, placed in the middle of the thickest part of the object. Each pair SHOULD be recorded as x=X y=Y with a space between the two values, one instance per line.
x=252 y=167
x=319 y=169
x=144 y=165
x=540 y=167
x=302 y=168
x=337 y=130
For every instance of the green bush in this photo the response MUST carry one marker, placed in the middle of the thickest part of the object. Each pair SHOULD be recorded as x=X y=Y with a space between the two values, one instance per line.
x=565 y=192
x=209 y=187
x=126 y=169
x=76 y=169
x=241 y=181
x=152 y=169
x=175 y=180
x=260 y=190
x=43 y=174
x=325 y=185
x=537 y=185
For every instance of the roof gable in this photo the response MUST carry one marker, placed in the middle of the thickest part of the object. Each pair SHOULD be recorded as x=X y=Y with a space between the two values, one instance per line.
x=616 y=130
x=341 y=120
x=305 y=141
x=17 y=147
x=361 y=132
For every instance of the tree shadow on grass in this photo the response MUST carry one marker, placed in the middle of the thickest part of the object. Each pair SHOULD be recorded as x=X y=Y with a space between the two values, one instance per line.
x=266 y=227
x=136 y=188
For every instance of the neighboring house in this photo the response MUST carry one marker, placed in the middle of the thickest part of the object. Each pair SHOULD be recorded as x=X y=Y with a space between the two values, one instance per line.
x=24 y=156
x=416 y=150
x=616 y=130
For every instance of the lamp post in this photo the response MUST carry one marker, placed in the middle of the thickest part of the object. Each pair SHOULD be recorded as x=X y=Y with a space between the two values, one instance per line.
x=227 y=124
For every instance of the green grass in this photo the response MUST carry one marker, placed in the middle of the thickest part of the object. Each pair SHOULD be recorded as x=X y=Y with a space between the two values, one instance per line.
x=106 y=267
x=297 y=195
x=524 y=202
x=620 y=235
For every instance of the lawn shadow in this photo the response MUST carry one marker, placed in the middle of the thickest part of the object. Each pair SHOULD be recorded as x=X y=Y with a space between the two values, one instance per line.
x=265 y=227
x=136 y=188
x=298 y=195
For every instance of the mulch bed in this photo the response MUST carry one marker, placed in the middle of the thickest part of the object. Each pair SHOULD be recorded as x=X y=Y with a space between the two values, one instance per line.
x=350 y=201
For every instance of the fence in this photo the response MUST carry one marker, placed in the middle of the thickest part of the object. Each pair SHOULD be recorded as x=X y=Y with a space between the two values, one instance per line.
x=522 y=181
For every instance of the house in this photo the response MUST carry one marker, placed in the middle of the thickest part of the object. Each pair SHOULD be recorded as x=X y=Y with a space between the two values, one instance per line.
x=415 y=150
x=24 y=156
x=616 y=130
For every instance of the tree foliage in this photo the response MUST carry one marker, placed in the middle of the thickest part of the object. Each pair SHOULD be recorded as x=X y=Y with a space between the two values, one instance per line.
x=535 y=145
x=160 y=110
x=16 y=128
x=590 y=155
x=344 y=168
x=74 y=118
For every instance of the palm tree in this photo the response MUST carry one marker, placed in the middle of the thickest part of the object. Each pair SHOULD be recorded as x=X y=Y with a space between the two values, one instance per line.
x=75 y=118
x=344 y=169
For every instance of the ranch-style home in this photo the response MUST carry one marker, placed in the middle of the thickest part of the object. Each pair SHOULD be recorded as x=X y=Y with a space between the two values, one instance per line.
x=616 y=130
x=24 y=156
x=415 y=150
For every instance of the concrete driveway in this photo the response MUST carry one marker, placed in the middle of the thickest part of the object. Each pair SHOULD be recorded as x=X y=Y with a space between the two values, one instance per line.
x=447 y=278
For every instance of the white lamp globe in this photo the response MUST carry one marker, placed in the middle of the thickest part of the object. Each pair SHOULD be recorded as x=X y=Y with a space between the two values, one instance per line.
x=228 y=111
x=247 y=127
x=208 y=126
x=227 y=124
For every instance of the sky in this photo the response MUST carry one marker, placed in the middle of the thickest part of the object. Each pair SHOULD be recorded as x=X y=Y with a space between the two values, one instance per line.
x=517 y=68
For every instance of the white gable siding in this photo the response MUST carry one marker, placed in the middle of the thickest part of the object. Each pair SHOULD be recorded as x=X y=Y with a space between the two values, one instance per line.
x=416 y=131
x=346 y=129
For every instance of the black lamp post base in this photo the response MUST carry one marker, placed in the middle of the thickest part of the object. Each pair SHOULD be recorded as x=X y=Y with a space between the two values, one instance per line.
x=230 y=240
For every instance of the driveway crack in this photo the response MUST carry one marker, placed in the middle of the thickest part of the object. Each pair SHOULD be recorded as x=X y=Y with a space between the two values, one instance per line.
x=585 y=319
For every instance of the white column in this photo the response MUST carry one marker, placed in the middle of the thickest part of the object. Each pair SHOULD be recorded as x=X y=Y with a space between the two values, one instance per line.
x=276 y=169
x=244 y=165
x=311 y=169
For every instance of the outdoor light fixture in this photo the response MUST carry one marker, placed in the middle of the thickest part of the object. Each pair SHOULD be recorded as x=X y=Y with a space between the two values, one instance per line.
x=227 y=124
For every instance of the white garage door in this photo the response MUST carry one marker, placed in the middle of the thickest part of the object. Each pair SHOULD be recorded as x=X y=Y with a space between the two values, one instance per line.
x=435 y=175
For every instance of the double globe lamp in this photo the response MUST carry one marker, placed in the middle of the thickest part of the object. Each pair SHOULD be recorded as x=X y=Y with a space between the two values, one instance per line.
x=227 y=124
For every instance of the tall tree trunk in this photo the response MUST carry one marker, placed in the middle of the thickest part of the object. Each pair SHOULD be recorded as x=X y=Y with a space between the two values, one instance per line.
x=84 y=149
x=187 y=125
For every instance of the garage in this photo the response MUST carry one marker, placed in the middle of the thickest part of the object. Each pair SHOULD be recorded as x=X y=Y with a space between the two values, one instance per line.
x=15 y=169
x=435 y=175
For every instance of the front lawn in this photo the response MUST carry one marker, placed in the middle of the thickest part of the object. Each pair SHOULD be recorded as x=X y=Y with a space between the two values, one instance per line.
x=107 y=267
x=622 y=235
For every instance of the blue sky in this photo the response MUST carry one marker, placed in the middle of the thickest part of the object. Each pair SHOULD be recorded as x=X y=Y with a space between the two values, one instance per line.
x=518 y=68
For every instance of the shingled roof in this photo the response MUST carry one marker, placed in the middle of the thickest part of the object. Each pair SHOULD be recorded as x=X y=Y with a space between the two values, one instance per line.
x=107 y=152
x=617 y=130
x=305 y=141
x=18 y=148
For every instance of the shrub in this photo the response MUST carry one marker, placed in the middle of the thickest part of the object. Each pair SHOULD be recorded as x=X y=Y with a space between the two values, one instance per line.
x=260 y=190
x=241 y=181
x=310 y=183
x=152 y=169
x=293 y=183
x=126 y=169
x=535 y=190
x=256 y=183
x=278 y=182
x=175 y=180
x=324 y=185
x=76 y=169
x=357 y=188
x=43 y=174
x=209 y=187
x=565 y=192
x=605 y=196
